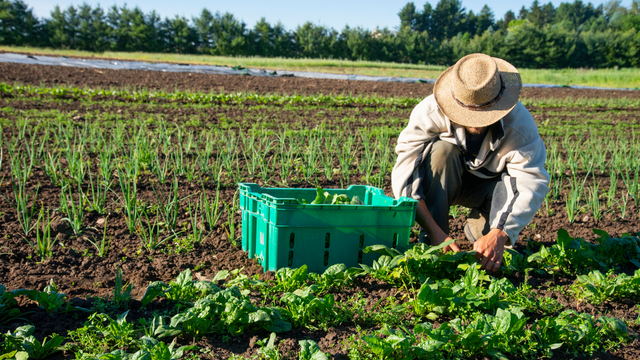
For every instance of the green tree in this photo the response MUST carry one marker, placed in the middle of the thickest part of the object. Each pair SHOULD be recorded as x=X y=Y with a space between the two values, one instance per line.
x=576 y=13
x=470 y=23
x=525 y=46
x=426 y=21
x=18 y=24
x=485 y=20
x=535 y=13
x=448 y=19
x=92 y=28
x=541 y=15
x=221 y=34
x=282 y=41
x=503 y=23
x=155 y=33
x=140 y=34
x=490 y=43
x=205 y=30
x=119 y=23
x=270 y=41
x=559 y=47
x=414 y=47
x=384 y=46
x=629 y=22
x=73 y=25
x=522 y=14
x=181 y=38
x=315 y=41
x=262 y=38
x=58 y=28
x=622 y=19
x=409 y=17
x=357 y=43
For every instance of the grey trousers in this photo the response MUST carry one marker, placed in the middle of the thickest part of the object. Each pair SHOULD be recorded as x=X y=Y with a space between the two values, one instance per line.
x=447 y=182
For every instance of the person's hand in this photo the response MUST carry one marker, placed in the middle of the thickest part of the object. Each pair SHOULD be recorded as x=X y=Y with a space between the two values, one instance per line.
x=444 y=238
x=490 y=248
x=435 y=233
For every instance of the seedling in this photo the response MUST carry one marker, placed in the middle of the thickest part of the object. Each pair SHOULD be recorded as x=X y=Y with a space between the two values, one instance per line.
x=44 y=243
x=96 y=195
x=25 y=208
x=231 y=209
x=121 y=292
x=102 y=247
x=129 y=199
x=210 y=209
x=197 y=229
x=74 y=212
x=150 y=233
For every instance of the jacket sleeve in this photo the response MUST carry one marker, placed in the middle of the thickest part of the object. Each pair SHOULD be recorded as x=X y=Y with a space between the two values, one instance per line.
x=523 y=189
x=414 y=143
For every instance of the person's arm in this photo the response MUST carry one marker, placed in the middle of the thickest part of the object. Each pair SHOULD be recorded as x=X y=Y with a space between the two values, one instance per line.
x=524 y=187
x=414 y=142
x=435 y=233
x=515 y=203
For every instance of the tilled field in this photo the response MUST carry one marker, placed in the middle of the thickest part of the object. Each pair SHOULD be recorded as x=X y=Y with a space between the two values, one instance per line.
x=104 y=78
x=180 y=151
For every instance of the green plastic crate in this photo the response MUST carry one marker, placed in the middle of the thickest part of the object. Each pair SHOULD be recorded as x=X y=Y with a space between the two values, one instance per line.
x=280 y=231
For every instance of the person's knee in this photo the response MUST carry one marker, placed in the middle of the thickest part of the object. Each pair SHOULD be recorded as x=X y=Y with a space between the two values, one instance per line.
x=444 y=156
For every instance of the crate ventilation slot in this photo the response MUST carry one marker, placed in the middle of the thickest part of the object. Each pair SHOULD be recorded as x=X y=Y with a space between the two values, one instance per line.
x=326 y=258
x=327 y=242
x=292 y=239
x=361 y=241
x=395 y=240
x=290 y=262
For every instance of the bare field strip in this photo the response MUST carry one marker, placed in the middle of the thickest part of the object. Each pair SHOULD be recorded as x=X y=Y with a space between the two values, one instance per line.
x=610 y=78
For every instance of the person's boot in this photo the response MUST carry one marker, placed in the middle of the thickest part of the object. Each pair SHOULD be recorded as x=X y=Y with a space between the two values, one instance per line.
x=477 y=225
x=423 y=238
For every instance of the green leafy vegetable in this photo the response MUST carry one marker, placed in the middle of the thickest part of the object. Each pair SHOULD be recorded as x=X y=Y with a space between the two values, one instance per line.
x=309 y=350
x=323 y=197
x=24 y=345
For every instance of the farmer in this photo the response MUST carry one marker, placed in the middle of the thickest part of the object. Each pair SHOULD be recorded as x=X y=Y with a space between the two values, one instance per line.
x=472 y=143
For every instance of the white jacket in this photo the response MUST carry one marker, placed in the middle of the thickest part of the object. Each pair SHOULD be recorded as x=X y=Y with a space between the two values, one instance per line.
x=512 y=149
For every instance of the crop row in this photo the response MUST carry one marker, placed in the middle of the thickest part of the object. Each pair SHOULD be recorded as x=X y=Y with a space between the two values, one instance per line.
x=198 y=97
x=578 y=167
x=97 y=170
x=477 y=314
x=144 y=95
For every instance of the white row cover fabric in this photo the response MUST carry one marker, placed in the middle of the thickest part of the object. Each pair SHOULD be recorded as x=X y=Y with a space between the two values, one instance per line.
x=220 y=70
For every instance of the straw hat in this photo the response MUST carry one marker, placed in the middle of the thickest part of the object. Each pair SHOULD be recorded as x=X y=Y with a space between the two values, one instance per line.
x=478 y=90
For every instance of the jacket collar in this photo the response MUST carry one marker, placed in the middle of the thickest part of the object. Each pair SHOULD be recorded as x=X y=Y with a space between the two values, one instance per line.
x=494 y=134
x=492 y=140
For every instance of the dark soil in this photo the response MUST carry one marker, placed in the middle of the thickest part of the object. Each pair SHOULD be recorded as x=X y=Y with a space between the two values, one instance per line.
x=84 y=276
x=104 y=78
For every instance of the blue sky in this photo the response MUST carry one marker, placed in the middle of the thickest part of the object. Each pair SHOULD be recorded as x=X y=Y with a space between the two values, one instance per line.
x=333 y=13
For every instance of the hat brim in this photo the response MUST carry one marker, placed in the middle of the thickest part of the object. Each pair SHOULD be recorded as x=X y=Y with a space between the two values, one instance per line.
x=485 y=116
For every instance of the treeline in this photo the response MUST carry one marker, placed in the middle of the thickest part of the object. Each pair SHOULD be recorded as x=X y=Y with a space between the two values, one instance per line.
x=541 y=36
